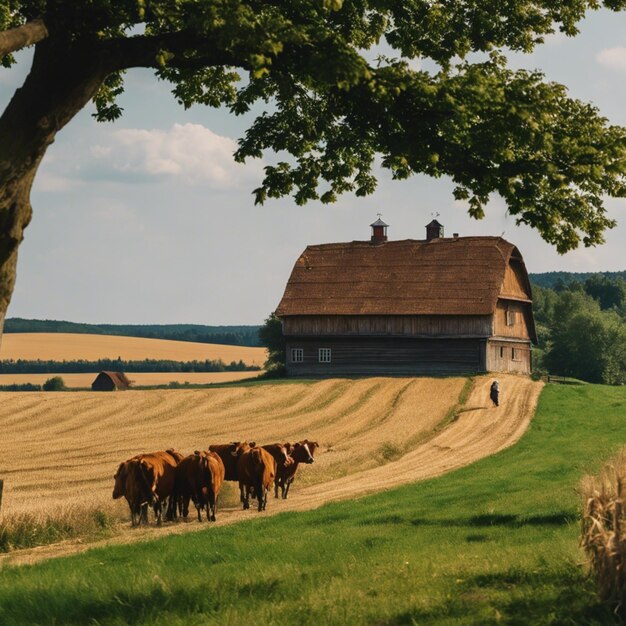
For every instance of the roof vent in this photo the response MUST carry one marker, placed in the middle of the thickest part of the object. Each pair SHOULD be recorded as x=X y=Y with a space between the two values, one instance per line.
x=434 y=230
x=379 y=231
x=455 y=235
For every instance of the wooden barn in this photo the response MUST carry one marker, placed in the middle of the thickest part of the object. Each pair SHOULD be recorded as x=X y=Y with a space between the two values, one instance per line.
x=431 y=306
x=110 y=381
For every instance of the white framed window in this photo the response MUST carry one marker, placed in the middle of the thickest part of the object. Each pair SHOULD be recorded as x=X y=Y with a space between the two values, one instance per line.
x=511 y=318
x=297 y=355
x=325 y=355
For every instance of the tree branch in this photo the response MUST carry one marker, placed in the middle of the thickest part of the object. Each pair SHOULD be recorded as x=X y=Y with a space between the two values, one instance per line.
x=143 y=50
x=22 y=36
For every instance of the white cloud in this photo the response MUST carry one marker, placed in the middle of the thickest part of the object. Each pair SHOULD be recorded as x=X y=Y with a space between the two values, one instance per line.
x=613 y=58
x=189 y=152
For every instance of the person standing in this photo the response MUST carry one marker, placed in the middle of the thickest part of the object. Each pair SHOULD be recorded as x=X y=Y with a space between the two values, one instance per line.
x=494 y=392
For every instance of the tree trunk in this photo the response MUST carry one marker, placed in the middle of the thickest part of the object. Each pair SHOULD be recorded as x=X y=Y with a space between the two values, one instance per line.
x=56 y=89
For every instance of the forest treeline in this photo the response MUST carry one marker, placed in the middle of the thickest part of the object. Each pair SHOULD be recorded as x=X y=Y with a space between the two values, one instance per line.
x=227 y=335
x=581 y=325
x=556 y=280
x=22 y=366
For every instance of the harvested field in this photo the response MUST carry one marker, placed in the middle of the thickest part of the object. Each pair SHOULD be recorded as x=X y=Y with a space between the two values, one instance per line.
x=68 y=346
x=63 y=448
x=74 y=381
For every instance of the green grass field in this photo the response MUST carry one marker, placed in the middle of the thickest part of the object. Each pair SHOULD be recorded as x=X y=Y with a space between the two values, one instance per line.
x=494 y=543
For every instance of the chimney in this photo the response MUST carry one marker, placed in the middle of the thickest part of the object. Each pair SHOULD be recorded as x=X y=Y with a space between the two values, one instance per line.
x=379 y=231
x=434 y=230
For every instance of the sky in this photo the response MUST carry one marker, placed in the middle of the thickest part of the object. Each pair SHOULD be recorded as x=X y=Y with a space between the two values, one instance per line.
x=150 y=221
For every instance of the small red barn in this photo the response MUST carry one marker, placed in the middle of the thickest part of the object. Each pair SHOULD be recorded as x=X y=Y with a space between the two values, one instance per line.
x=110 y=381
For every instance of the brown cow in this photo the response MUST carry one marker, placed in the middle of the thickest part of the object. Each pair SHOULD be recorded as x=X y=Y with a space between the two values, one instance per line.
x=199 y=477
x=129 y=482
x=147 y=479
x=256 y=469
x=230 y=453
x=300 y=452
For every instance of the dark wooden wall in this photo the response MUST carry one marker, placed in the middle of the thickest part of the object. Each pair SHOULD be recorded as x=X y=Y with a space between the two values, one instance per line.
x=385 y=325
x=387 y=356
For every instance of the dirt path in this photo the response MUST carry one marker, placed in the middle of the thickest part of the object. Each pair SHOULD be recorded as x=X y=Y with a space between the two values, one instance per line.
x=356 y=422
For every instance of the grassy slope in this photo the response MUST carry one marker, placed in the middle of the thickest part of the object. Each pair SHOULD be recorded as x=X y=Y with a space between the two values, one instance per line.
x=493 y=543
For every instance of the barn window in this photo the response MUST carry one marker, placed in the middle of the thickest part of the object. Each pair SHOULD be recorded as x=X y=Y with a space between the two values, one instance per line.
x=297 y=355
x=515 y=354
x=324 y=355
x=511 y=317
x=501 y=352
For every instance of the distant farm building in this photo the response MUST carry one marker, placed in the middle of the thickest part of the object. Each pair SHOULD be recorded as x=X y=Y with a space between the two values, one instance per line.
x=437 y=305
x=110 y=381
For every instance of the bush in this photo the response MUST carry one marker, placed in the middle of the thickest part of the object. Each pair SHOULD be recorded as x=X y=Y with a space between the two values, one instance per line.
x=20 y=387
x=56 y=383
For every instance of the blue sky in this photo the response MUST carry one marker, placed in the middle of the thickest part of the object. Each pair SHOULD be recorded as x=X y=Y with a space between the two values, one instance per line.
x=149 y=220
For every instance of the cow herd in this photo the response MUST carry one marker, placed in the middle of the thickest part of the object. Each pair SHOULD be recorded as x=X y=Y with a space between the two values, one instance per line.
x=168 y=481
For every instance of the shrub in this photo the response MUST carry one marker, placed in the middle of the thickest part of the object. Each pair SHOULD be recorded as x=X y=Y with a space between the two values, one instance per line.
x=56 y=383
x=26 y=530
x=20 y=387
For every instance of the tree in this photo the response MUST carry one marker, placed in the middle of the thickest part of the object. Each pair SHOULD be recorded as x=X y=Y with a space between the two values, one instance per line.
x=610 y=293
x=331 y=108
x=586 y=342
x=56 y=383
x=271 y=336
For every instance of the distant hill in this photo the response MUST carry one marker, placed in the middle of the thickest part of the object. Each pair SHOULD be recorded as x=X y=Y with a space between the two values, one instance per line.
x=227 y=335
x=550 y=279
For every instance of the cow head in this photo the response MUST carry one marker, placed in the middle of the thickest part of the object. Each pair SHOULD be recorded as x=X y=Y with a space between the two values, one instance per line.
x=303 y=451
x=119 y=488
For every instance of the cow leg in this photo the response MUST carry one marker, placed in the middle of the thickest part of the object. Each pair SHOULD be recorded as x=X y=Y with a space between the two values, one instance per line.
x=199 y=508
x=210 y=511
x=276 y=483
x=158 y=512
x=261 y=494
x=170 y=516
x=144 y=513
x=246 y=501
x=287 y=488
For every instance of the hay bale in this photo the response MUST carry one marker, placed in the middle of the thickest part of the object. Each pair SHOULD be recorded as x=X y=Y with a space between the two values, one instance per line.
x=604 y=531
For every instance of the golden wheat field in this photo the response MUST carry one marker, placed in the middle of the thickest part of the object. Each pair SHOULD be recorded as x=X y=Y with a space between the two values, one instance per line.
x=137 y=378
x=62 y=448
x=69 y=346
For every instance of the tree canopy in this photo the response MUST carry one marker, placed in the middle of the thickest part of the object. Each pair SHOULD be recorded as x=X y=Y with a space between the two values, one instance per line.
x=339 y=88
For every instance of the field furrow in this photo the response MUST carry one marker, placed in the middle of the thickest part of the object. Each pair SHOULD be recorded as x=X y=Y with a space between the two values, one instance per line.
x=60 y=450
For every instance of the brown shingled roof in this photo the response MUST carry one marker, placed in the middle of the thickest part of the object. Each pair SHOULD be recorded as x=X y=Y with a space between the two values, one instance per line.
x=448 y=276
x=120 y=380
